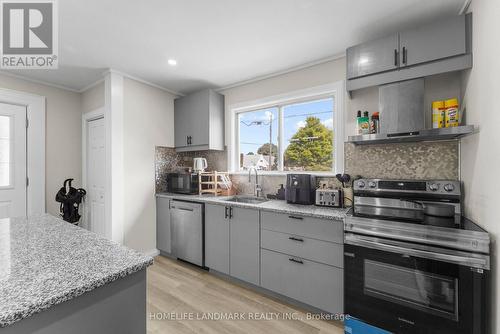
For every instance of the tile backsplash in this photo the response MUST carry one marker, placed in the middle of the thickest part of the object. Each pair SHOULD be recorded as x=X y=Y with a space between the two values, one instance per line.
x=168 y=160
x=422 y=160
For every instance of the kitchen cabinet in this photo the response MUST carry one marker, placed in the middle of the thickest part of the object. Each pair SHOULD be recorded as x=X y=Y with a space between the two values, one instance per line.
x=307 y=281
x=244 y=244
x=232 y=243
x=438 y=47
x=310 y=227
x=199 y=121
x=163 y=242
x=217 y=238
x=373 y=57
x=442 y=39
x=303 y=258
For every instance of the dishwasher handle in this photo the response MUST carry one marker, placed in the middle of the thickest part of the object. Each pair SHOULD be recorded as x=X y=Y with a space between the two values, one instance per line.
x=183 y=209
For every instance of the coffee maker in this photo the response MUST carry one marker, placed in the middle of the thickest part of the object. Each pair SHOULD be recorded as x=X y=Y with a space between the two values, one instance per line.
x=300 y=189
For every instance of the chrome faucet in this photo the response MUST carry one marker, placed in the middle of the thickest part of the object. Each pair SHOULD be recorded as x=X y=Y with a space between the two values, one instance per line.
x=257 y=190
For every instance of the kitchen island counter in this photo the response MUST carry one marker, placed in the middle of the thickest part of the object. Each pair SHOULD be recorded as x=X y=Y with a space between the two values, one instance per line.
x=45 y=262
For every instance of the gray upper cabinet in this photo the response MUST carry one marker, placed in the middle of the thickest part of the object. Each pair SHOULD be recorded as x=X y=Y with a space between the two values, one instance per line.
x=245 y=245
x=199 y=121
x=163 y=224
x=217 y=238
x=433 y=48
x=442 y=39
x=373 y=57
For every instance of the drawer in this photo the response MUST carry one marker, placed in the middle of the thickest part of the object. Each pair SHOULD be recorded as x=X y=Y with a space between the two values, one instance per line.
x=321 y=229
x=311 y=249
x=313 y=283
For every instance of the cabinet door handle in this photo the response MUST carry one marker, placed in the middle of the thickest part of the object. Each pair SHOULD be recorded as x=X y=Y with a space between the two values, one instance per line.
x=405 y=51
x=296 y=217
x=231 y=212
x=225 y=212
x=295 y=260
x=296 y=239
x=395 y=57
x=184 y=209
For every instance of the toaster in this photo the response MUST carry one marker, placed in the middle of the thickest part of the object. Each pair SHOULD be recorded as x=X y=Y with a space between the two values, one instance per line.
x=329 y=197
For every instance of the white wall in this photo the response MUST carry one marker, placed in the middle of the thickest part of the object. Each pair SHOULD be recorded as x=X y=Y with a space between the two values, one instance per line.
x=480 y=161
x=63 y=135
x=148 y=122
x=317 y=75
x=93 y=98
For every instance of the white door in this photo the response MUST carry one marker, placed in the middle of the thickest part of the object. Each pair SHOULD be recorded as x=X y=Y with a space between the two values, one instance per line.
x=96 y=175
x=12 y=160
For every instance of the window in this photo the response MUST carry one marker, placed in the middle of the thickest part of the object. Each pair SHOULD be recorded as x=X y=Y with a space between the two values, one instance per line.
x=296 y=134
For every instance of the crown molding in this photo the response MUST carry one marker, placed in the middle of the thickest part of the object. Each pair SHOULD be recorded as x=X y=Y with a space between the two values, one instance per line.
x=126 y=75
x=86 y=88
x=40 y=82
x=289 y=70
x=465 y=7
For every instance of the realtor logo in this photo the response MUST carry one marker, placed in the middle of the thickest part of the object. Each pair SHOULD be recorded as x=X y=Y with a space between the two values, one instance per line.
x=29 y=34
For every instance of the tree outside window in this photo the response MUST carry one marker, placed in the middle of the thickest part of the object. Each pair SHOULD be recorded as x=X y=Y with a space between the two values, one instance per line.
x=307 y=137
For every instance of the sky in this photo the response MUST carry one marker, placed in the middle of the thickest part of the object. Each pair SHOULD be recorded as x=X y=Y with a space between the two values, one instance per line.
x=255 y=125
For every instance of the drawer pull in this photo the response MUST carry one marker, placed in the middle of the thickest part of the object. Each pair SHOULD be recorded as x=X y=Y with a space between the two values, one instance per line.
x=296 y=217
x=296 y=239
x=295 y=260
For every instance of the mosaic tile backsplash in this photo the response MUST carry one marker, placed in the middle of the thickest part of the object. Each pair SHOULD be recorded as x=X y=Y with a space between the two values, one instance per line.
x=168 y=160
x=422 y=160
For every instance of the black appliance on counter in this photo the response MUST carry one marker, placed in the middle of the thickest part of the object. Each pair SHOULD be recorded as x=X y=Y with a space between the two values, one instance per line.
x=182 y=183
x=412 y=263
x=300 y=189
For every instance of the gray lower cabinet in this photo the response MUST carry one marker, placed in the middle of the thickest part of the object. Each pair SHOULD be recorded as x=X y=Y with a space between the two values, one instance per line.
x=245 y=244
x=373 y=57
x=163 y=242
x=232 y=241
x=312 y=249
x=216 y=238
x=307 y=281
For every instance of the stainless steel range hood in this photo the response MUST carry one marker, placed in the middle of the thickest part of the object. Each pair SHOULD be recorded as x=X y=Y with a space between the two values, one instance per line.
x=414 y=136
x=401 y=107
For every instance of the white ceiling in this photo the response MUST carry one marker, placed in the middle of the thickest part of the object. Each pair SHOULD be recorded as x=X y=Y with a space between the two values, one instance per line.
x=218 y=42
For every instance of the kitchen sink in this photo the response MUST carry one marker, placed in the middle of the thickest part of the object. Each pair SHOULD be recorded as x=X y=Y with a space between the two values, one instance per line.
x=246 y=199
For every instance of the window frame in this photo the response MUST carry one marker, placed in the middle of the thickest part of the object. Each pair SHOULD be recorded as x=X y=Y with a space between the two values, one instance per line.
x=335 y=90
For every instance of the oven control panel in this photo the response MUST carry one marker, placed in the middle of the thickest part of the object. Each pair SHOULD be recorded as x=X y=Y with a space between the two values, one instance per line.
x=448 y=187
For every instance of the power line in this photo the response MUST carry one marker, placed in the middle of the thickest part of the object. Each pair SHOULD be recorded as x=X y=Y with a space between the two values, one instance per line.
x=290 y=116
x=308 y=114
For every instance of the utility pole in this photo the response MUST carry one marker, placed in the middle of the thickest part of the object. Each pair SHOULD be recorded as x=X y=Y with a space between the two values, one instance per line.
x=270 y=140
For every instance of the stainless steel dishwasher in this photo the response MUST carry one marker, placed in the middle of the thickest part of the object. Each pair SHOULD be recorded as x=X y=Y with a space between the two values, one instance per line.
x=188 y=231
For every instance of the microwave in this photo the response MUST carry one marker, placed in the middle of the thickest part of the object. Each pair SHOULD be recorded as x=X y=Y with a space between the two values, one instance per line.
x=182 y=183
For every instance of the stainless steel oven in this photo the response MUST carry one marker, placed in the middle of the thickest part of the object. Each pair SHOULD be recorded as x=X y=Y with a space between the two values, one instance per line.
x=409 y=271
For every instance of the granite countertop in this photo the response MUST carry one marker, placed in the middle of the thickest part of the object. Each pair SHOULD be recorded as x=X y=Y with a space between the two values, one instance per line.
x=271 y=205
x=45 y=261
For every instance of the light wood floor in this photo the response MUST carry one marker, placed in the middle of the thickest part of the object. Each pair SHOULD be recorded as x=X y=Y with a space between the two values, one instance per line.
x=176 y=287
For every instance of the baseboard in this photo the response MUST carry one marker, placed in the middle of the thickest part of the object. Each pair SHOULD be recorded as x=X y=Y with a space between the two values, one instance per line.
x=152 y=252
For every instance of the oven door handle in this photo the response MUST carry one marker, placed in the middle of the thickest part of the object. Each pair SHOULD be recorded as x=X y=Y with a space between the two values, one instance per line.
x=481 y=262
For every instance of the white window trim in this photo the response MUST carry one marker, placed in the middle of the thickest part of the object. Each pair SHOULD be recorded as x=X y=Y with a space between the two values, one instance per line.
x=35 y=163
x=336 y=89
